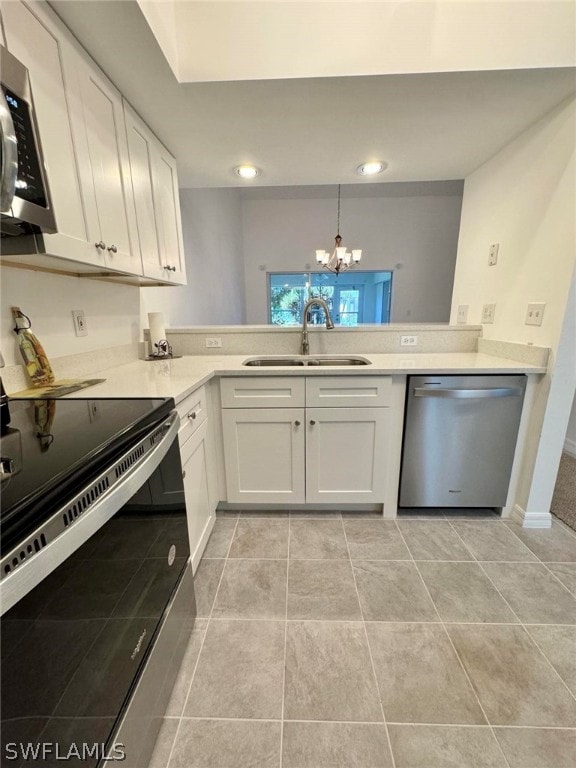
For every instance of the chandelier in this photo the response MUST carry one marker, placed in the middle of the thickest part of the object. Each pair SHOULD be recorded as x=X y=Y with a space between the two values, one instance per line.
x=340 y=259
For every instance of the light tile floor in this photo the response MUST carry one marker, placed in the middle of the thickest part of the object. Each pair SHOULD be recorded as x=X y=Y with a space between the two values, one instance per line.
x=343 y=641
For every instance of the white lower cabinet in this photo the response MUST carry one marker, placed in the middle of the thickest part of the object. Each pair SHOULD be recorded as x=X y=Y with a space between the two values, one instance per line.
x=200 y=516
x=264 y=455
x=346 y=455
x=299 y=455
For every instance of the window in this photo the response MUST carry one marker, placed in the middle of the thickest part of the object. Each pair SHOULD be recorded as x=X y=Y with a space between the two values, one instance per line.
x=352 y=297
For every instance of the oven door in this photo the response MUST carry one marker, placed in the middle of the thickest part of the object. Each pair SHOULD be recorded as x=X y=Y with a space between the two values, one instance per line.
x=75 y=645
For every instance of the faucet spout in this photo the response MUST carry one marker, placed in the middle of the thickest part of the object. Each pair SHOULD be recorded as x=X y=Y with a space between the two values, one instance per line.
x=305 y=346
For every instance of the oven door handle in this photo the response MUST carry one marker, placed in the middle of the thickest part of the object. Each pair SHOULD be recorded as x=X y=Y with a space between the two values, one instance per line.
x=27 y=574
x=9 y=168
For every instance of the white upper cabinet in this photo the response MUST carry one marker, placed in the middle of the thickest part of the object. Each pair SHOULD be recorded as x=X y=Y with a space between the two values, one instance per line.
x=155 y=190
x=106 y=180
x=34 y=38
x=167 y=206
x=114 y=186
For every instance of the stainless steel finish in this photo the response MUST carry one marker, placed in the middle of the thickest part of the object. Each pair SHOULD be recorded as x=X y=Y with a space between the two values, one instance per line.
x=305 y=347
x=141 y=722
x=469 y=394
x=112 y=249
x=73 y=524
x=101 y=245
x=9 y=168
x=459 y=440
x=319 y=360
x=15 y=77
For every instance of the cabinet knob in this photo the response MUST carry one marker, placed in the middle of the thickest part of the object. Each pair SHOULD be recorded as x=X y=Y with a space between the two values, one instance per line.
x=173 y=268
x=112 y=249
x=170 y=268
x=312 y=422
x=183 y=474
x=192 y=415
x=101 y=245
x=296 y=423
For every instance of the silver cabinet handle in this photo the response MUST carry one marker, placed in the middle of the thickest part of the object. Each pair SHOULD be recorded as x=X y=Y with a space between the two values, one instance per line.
x=9 y=168
x=296 y=423
x=112 y=249
x=468 y=394
x=312 y=422
x=192 y=415
x=101 y=245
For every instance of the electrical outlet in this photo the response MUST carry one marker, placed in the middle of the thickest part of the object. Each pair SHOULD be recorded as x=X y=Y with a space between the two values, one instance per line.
x=488 y=312
x=79 y=318
x=493 y=254
x=408 y=341
x=213 y=341
x=462 y=316
x=535 y=314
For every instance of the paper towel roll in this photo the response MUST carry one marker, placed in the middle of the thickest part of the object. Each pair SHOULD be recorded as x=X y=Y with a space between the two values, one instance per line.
x=157 y=330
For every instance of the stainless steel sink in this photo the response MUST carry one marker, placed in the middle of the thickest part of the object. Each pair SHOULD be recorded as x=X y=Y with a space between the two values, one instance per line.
x=306 y=360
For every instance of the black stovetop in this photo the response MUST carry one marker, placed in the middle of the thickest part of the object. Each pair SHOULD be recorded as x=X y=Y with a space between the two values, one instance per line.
x=57 y=446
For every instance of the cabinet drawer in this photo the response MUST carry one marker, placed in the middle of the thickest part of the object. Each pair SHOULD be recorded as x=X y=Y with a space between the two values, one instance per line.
x=352 y=391
x=263 y=392
x=192 y=412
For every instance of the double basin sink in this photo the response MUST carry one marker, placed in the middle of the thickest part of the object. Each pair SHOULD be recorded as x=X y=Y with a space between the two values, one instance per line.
x=306 y=360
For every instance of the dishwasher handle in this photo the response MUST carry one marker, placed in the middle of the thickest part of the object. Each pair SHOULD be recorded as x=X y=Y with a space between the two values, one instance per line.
x=468 y=394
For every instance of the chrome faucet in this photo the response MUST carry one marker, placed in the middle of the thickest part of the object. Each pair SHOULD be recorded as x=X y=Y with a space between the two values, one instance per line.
x=329 y=324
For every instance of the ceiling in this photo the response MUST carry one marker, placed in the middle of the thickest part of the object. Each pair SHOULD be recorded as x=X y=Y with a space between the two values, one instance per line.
x=431 y=126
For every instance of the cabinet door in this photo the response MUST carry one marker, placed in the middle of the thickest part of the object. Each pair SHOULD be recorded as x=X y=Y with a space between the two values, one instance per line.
x=346 y=453
x=167 y=211
x=198 y=510
x=38 y=42
x=264 y=455
x=141 y=147
x=106 y=137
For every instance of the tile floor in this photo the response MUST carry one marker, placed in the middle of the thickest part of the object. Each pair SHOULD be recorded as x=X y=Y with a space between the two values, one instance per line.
x=347 y=641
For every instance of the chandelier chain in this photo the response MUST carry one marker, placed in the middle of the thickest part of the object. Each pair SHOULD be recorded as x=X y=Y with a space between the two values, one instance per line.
x=338 y=222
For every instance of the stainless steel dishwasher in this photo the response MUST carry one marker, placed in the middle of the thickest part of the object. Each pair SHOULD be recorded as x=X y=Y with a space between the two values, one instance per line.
x=459 y=440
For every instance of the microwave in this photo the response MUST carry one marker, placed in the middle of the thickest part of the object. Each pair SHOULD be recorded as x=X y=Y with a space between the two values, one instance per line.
x=25 y=204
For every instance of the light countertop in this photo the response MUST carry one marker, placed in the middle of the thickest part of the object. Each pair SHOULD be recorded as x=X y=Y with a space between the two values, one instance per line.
x=180 y=377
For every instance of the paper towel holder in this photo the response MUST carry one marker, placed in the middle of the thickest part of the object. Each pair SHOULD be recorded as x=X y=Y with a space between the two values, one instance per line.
x=163 y=352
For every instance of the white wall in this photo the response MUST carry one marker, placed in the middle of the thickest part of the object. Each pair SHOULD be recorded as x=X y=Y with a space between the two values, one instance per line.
x=524 y=199
x=112 y=312
x=212 y=229
x=419 y=232
x=570 y=441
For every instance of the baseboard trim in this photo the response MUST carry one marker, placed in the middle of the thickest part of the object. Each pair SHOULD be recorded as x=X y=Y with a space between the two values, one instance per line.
x=570 y=447
x=531 y=519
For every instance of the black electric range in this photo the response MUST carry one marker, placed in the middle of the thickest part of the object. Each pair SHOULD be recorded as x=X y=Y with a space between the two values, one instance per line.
x=55 y=446
x=95 y=555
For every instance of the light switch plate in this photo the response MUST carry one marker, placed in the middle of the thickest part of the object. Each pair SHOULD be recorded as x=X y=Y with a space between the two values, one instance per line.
x=408 y=341
x=213 y=341
x=488 y=312
x=535 y=313
x=462 y=316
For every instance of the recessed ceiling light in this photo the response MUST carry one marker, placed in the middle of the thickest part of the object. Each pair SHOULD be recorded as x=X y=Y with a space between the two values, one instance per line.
x=246 y=171
x=372 y=168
